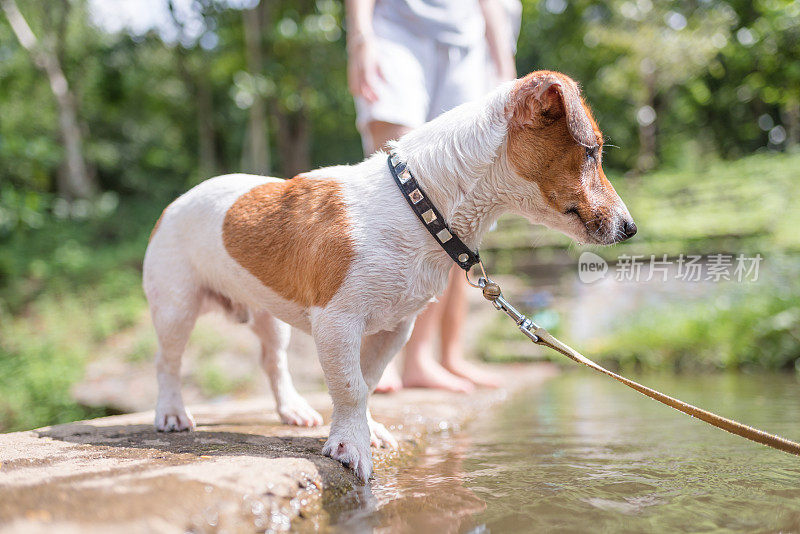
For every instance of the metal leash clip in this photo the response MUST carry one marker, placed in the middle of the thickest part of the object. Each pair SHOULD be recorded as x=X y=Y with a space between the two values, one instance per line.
x=492 y=293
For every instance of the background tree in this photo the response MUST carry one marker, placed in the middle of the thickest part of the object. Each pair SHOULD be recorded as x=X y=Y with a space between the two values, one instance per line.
x=255 y=156
x=659 y=47
x=191 y=68
x=45 y=53
x=634 y=59
x=755 y=80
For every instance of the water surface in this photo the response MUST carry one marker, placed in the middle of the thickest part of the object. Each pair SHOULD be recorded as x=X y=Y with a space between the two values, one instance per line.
x=584 y=453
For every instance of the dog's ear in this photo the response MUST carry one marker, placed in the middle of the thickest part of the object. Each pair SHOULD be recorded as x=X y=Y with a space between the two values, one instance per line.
x=543 y=97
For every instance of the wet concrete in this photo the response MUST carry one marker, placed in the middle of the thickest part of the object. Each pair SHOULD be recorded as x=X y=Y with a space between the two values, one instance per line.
x=241 y=471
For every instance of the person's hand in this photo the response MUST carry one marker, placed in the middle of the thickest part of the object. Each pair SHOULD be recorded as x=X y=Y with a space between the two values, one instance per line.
x=363 y=69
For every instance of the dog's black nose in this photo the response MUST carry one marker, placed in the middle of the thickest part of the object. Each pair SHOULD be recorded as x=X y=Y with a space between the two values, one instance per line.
x=629 y=228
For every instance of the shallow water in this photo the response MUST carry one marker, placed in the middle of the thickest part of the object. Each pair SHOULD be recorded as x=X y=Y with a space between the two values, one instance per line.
x=584 y=453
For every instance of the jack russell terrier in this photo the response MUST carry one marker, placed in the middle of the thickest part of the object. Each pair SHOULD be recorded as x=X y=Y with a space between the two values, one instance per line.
x=338 y=253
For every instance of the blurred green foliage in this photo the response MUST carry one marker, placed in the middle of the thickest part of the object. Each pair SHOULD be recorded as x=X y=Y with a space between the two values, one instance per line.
x=722 y=78
x=722 y=207
x=744 y=326
x=732 y=327
x=68 y=285
x=139 y=99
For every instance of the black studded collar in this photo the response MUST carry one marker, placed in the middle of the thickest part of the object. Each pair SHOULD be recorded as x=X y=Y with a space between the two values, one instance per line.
x=430 y=217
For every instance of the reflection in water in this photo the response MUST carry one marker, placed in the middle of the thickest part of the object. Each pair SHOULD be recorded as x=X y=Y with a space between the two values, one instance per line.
x=429 y=495
x=583 y=453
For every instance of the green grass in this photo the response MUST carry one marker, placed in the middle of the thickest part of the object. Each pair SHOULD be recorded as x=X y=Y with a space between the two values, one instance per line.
x=749 y=205
x=215 y=380
x=144 y=347
x=65 y=287
x=741 y=326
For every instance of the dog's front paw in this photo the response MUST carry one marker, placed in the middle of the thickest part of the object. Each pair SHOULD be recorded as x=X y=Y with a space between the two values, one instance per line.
x=380 y=437
x=174 y=420
x=298 y=412
x=356 y=457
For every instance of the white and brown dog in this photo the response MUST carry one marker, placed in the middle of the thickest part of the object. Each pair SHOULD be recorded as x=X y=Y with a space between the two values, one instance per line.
x=338 y=253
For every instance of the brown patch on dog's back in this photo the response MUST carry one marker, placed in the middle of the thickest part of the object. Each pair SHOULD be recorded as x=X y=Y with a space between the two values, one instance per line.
x=293 y=236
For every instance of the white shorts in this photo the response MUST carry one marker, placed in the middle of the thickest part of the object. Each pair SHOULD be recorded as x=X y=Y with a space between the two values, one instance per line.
x=423 y=78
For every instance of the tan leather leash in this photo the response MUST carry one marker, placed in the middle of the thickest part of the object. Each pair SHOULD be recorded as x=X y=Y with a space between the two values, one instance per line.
x=540 y=336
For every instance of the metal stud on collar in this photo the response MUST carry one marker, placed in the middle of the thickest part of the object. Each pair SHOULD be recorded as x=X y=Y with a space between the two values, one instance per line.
x=430 y=217
x=444 y=235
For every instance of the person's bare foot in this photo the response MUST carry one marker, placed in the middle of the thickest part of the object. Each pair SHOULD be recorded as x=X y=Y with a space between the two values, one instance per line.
x=390 y=380
x=428 y=373
x=476 y=374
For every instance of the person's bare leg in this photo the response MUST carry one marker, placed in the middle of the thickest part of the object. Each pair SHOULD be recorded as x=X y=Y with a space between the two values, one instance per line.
x=390 y=379
x=454 y=305
x=420 y=368
x=379 y=133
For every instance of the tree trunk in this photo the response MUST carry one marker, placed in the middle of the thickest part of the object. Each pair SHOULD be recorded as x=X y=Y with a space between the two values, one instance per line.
x=206 y=135
x=293 y=142
x=200 y=88
x=256 y=150
x=791 y=117
x=77 y=182
x=647 y=159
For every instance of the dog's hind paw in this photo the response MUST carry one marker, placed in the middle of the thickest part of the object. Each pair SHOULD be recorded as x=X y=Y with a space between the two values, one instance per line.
x=298 y=412
x=174 y=421
x=380 y=437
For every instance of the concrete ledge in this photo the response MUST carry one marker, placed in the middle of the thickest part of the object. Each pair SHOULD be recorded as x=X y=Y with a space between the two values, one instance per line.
x=241 y=471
